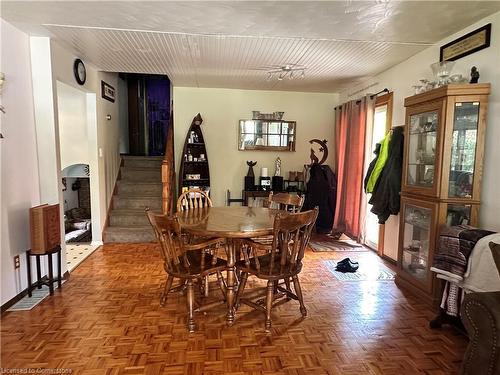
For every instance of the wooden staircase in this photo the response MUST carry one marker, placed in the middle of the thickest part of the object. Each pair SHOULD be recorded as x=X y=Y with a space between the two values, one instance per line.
x=139 y=186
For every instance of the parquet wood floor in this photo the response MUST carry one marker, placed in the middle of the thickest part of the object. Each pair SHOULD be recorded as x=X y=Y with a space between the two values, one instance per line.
x=107 y=320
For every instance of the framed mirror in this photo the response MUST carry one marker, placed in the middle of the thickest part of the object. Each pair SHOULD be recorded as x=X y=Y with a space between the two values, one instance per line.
x=270 y=135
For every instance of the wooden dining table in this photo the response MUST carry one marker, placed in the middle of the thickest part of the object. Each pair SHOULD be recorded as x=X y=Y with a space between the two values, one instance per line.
x=231 y=223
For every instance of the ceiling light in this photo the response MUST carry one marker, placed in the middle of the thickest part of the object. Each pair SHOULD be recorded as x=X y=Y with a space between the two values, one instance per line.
x=280 y=72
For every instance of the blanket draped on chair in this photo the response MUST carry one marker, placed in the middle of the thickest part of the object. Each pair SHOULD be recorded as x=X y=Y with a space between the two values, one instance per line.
x=454 y=248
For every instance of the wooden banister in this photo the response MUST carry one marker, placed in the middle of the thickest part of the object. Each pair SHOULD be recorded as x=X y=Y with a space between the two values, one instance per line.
x=168 y=170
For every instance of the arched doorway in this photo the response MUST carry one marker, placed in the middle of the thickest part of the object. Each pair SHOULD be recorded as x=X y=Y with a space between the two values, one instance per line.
x=77 y=213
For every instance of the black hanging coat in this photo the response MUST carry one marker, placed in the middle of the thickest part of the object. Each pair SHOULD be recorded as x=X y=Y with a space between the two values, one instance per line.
x=372 y=165
x=386 y=193
x=322 y=192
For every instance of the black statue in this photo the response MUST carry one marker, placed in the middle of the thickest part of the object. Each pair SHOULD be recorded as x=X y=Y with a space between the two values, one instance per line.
x=323 y=148
x=251 y=164
x=197 y=120
x=313 y=157
x=474 y=75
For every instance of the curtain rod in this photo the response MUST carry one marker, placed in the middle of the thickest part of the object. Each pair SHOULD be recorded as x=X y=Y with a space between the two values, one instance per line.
x=385 y=90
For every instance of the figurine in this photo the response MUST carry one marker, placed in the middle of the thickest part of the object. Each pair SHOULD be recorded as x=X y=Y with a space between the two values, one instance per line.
x=313 y=157
x=323 y=149
x=474 y=75
x=251 y=164
x=197 y=120
x=277 y=171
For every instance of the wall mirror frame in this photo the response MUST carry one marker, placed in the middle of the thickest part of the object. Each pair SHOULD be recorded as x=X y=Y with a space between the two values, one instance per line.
x=267 y=135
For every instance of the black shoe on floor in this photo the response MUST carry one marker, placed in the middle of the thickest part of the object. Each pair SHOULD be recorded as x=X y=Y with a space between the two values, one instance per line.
x=347 y=267
x=347 y=261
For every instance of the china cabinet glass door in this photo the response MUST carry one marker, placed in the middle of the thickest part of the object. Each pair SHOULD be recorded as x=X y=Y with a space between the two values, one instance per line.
x=458 y=214
x=416 y=241
x=463 y=149
x=422 y=149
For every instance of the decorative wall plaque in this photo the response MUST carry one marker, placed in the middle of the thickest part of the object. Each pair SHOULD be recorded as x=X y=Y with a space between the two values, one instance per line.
x=107 y=91
x=467 y=44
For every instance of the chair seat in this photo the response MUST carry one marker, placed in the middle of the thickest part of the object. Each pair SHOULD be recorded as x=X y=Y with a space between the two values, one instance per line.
x=264 y=240
x=194 y=269
x=267 y=270
x=195 y=240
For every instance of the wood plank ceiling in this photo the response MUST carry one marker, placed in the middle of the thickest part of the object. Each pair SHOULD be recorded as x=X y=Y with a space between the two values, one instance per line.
x=224 y=44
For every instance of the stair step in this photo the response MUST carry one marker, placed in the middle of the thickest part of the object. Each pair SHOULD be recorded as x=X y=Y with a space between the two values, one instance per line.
x=137 y=187
x=133 y=234
x=154 y=203
x=139 y=157
x=140 y=174
x=139 y=194
x=123 y=217
x=142 y=161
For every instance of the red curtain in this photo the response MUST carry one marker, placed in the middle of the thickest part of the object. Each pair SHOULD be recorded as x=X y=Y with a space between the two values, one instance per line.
x=350 y=132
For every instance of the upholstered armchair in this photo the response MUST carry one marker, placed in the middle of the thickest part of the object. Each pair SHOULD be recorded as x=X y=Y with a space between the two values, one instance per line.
x=480 y=314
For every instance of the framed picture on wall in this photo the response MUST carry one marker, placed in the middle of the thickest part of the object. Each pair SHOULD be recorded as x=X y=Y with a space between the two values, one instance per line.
x=107 y=91
x=465 y=45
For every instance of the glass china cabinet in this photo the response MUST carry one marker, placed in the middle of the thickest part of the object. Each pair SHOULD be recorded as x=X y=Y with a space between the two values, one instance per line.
x=444 y=139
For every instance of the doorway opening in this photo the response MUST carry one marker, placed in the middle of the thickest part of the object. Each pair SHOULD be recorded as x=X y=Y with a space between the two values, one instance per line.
x=77 y=123
x=382 y=120
x=77 y=211
x=144 y=113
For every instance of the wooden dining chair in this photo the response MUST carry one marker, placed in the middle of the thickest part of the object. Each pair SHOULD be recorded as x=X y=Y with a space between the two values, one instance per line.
x=193 y=198
x=187 y=262
x=285 y=201
x=281 y=201
x=291 y=234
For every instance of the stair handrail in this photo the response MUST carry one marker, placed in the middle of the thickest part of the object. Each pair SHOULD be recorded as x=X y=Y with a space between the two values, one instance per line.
x=168 y=169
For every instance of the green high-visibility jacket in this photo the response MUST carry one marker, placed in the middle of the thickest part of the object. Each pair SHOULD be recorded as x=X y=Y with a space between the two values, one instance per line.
x=379 y=165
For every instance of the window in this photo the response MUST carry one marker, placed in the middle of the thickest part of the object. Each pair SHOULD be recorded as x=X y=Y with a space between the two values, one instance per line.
x=381 y=124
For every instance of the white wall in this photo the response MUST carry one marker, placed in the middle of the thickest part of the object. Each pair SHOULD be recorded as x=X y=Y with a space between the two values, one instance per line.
x=30 y=162
x=103 y=134
x=401 y=77
x=123 y=116
x=72 y=116
x=108 y=136
x=19 y=187
x=222 y=109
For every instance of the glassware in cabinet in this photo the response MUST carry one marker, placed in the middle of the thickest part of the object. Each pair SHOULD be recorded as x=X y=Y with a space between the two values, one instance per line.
x=422 y=149
x=416 y=241
x=444 y=152
x=463 y=149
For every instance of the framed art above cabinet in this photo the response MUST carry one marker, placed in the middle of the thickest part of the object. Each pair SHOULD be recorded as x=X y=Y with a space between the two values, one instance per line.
x=267 y=135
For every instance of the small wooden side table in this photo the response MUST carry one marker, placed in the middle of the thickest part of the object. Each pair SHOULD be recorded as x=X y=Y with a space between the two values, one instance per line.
x=254 y=194
x=50 y=280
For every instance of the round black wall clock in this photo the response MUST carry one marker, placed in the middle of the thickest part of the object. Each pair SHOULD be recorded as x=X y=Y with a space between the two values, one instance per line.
x=79 y=71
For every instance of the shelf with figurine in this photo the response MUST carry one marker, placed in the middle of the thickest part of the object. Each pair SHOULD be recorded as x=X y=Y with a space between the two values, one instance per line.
x=194 y=169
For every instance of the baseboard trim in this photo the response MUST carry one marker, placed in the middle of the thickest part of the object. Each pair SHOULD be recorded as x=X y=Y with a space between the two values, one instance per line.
x=390 y=260
x=23 y=293
x=96 y=243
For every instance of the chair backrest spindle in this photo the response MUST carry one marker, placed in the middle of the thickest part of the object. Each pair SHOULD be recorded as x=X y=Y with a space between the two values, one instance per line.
x=291 y=235
x=284 y=201
x=193 y=198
